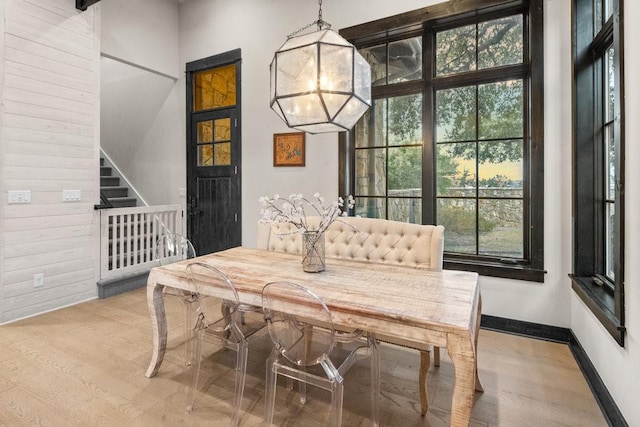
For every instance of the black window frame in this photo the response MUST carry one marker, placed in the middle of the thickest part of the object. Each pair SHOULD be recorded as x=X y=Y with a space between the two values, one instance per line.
x=603 y=296
x=427 y=21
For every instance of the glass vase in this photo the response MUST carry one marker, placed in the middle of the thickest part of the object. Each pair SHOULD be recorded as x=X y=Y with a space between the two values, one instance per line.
x=312 y=251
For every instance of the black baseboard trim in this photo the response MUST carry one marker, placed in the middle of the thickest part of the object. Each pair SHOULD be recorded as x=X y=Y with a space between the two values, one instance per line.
x=608 y=406
x=606 y=403
x=527 y=329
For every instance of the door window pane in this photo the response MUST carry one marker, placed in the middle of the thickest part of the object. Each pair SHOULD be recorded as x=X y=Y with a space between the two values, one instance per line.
x=222 y=129
x=214 y=88
x=205 y=131
x=205 y=155
x=222 y=154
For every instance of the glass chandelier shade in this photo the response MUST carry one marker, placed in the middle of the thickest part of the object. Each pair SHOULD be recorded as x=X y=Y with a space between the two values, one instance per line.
x=320 y=83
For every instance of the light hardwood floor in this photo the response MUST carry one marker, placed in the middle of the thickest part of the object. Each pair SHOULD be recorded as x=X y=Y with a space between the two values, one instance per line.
x=84 y=366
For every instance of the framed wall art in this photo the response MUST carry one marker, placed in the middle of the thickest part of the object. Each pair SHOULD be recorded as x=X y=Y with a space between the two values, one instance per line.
x=288 y=149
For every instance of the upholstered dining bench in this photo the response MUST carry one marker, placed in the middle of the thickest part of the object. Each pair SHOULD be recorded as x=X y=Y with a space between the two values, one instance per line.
x=371 y=240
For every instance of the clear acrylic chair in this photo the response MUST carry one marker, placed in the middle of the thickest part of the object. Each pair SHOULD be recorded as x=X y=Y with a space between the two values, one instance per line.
x=221 y=321
x=170 y=248
x=309 y=339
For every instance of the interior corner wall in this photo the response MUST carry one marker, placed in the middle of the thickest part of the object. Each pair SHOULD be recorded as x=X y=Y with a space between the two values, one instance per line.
x=143 y=130
x=619 y=367
x=142 y=32
x=50 y=119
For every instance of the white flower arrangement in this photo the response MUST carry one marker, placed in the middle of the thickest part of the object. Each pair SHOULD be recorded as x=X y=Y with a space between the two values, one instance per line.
x=292 y=210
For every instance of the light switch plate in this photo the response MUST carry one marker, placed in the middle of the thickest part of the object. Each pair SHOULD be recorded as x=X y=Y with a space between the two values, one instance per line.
x=71 y=195
x=19 y=196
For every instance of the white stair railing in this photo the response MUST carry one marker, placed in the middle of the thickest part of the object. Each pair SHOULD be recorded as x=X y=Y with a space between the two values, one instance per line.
x=128 y=237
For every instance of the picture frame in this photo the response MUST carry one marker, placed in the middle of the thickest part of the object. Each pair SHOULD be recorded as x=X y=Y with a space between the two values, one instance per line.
x=289 y=149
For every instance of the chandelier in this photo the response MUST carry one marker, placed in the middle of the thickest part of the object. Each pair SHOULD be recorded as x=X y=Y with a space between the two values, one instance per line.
x=319 y=81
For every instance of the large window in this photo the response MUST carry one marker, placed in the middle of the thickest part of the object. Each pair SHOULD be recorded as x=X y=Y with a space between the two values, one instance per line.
x=598 y=160
x=448 y=139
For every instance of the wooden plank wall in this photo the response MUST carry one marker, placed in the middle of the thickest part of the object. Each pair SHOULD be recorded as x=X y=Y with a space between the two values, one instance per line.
x=50 y=143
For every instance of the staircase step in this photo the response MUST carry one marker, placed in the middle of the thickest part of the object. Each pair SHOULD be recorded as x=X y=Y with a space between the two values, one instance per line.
x=105 y=171
x=111 y=192
x=123 y=202
x=109 y=181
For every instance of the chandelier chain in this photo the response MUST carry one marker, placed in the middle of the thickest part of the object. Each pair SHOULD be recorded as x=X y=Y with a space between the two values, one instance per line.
x=321 y=23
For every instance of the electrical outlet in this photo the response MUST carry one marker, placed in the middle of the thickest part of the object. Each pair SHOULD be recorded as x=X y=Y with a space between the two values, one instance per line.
x=38 y=280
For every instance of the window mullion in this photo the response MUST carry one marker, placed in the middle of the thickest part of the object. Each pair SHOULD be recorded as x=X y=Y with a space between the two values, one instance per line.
x=429 y=170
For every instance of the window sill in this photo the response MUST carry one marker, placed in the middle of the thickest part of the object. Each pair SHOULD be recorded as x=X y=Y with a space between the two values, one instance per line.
x=517 y=272
x=601 y=303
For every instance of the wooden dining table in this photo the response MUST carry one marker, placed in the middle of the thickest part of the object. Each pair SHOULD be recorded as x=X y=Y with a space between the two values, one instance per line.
x=410 y=303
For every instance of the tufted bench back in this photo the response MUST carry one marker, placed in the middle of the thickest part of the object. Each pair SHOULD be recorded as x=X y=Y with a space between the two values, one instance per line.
x=365 y=239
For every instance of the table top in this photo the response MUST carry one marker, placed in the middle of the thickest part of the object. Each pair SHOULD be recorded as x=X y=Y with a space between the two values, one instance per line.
x=411 y=303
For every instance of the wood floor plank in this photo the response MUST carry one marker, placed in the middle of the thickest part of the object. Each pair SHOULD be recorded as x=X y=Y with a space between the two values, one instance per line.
x=84 y=366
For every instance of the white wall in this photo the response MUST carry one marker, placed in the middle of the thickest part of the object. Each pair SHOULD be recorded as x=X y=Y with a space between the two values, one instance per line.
x=50 y=121
x=142 y=112
x=142 y=32
x=620 y=367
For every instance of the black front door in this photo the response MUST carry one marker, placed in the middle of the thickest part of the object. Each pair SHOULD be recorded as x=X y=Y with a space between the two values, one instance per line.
x=213 y=153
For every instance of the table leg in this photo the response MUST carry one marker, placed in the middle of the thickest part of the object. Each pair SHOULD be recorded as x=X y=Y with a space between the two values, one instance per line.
x=462 y=353
x=477 y=332
x=422 y=380
x=155 y=302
